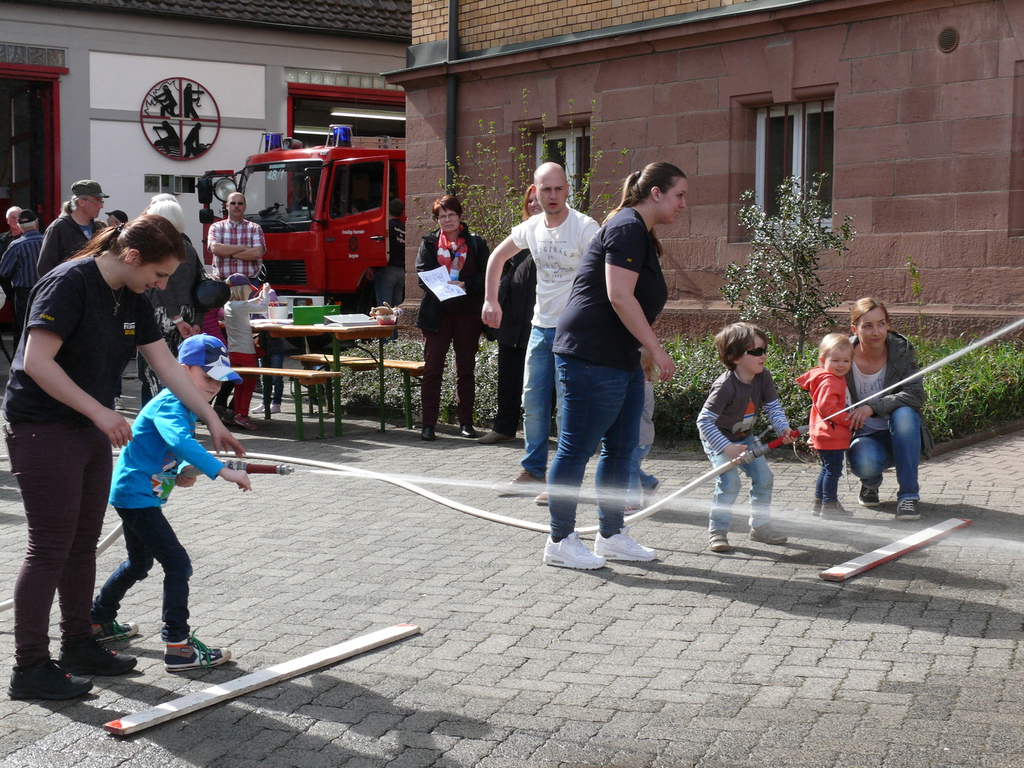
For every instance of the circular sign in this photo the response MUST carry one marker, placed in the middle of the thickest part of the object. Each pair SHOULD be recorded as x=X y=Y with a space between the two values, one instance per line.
x=180 y=118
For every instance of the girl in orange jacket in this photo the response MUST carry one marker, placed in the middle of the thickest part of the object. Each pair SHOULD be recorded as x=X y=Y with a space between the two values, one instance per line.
x=830 y=423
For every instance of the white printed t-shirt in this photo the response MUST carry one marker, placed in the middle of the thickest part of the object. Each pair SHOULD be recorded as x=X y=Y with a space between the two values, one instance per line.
x=557 y=253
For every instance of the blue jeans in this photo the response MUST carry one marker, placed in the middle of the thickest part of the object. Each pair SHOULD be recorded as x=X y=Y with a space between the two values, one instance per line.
x=899 y=446
x=827 y=486
x=275 y=349
x=148 y=535
x=727 y=489
x=638 y=479
x=389 y=286
x=602 y=407
x=538 y=382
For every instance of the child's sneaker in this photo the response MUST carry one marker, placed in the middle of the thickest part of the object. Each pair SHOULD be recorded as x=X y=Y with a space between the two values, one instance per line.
x=816 y=506
x=192 y=654
x=834 y=509
x=768 y=535
x=719 y=542
x=275 y=407
x=109 y=631
x=245 y=422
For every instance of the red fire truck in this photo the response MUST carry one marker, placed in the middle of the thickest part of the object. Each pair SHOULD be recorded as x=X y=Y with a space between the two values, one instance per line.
x=323 y=210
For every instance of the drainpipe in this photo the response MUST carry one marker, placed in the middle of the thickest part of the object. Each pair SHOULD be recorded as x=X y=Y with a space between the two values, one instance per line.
x=451 y=96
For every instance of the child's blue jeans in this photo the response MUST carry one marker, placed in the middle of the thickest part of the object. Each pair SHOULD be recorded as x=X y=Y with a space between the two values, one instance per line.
x=827 y=486
x=727 y=489
x=148 y=536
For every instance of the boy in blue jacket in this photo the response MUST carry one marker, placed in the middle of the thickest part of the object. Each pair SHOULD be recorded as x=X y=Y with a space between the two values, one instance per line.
x=163 y=443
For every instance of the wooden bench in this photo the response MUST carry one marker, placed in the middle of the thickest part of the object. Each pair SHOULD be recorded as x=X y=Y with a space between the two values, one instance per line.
x=300 y=377
x=408 y=369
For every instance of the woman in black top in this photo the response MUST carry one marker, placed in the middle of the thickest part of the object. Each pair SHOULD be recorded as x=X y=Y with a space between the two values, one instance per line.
x=86 y=318
x=454 y=321
x=618 y=293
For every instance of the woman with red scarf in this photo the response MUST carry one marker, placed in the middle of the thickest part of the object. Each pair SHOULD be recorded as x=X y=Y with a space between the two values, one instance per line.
x=455 y=320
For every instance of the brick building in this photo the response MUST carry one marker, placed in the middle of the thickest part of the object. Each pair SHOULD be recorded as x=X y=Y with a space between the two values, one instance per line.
x=916 y=108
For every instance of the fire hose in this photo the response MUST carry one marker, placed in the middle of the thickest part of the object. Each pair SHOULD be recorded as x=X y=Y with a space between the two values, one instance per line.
x=189 y=471
x=756 y=450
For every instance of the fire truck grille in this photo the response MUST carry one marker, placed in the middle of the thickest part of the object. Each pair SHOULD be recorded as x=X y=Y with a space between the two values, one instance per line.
x=286 y=272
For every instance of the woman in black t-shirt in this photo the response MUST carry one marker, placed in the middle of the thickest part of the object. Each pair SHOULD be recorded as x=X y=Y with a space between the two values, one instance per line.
x=618 y=293
x=86 y=318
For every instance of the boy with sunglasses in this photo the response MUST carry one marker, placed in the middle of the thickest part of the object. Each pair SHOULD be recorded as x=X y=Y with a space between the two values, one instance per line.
x=725 y=424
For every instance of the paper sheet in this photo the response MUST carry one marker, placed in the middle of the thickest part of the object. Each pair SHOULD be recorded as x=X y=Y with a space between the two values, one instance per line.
x=437 y=281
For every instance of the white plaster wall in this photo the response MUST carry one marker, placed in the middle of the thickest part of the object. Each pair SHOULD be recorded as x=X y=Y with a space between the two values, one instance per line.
x=122 y=82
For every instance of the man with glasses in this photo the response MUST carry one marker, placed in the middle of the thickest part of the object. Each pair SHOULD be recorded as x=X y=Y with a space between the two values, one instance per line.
x=70 y=231
x=236 y=243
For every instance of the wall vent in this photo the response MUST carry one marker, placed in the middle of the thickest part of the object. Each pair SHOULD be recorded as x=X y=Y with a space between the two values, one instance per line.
x=949 y=39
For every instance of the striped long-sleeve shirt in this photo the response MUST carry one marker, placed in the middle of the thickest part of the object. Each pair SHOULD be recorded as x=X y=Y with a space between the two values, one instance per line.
x=19 y=262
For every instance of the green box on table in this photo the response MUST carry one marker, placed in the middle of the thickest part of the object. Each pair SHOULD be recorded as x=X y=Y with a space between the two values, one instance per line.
x=313 y=315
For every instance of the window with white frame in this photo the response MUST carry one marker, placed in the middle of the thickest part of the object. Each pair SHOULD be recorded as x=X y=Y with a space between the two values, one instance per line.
x=571 y=150
x=794 y=140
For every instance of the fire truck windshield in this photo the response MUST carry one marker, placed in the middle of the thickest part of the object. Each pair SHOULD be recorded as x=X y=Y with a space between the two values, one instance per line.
x=281 y=197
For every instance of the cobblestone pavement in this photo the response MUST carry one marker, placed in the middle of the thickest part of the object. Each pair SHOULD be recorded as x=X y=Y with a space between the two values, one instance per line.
x=713 y=661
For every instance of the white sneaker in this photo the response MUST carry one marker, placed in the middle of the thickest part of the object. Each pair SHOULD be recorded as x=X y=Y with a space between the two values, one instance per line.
x=275 y=407
x=621 y=546
x=570 y=552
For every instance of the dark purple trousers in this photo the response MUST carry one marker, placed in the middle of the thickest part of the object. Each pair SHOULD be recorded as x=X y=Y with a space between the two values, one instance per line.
x=462 y=332
x=63 y=471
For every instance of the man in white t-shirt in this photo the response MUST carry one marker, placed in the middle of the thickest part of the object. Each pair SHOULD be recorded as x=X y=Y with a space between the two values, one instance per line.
x=557 y=239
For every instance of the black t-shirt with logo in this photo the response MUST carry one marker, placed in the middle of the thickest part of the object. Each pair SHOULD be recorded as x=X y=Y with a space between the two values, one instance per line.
x=99 y=332
x=590 y=327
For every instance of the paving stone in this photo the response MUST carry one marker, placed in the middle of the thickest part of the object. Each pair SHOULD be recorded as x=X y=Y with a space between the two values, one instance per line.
x=693 y=660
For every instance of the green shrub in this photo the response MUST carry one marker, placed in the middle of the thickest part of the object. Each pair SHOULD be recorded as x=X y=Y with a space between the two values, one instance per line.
x=980 y=390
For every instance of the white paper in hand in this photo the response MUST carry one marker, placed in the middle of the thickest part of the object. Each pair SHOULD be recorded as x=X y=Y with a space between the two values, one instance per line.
x=437 y=281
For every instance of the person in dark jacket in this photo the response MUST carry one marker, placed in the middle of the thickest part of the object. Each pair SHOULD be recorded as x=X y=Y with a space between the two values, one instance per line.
x=70 y=231
x=517 y=293
x=174 y=306
x=455 y=320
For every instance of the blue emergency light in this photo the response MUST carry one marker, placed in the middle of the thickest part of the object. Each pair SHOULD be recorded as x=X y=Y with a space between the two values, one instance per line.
x=340 y=136
x=271 y=141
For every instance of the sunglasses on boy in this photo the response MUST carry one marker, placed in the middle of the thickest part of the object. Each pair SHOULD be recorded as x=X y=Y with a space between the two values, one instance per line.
x=757 y=351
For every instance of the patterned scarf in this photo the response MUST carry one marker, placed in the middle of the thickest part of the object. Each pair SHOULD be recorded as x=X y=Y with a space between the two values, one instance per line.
x=449 y=254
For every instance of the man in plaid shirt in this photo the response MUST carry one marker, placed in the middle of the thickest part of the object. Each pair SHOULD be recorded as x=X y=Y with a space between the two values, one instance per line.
x=236 y=243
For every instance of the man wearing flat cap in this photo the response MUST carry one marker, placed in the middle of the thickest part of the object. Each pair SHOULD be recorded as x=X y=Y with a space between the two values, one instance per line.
x=69 y=233
x=18 y=266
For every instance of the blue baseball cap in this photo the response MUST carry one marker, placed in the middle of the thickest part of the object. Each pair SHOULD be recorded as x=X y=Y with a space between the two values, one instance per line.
x=210 y=354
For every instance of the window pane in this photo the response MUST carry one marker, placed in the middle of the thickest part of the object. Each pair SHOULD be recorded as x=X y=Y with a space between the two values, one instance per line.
x=779 y=157
x=818 y=149
x=366 y=191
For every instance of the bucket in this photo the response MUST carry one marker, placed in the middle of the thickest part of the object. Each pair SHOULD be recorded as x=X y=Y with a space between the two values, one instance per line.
x=278 y=313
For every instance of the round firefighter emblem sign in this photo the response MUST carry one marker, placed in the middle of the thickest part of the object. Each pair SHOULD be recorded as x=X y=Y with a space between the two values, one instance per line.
x=180 y=118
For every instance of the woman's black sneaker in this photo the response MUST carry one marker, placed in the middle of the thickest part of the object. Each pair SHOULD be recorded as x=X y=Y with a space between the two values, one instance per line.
x=868 y=496
x=90 y=658
x=47 y=681
x=907 y=510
